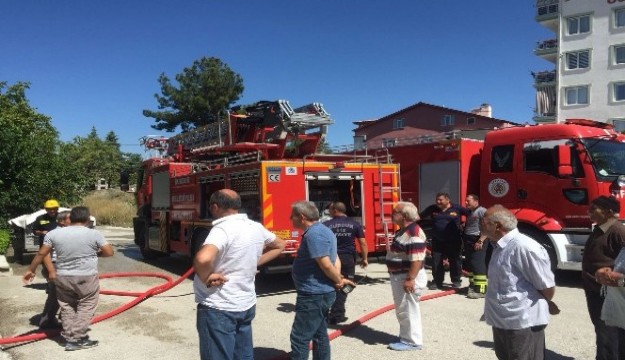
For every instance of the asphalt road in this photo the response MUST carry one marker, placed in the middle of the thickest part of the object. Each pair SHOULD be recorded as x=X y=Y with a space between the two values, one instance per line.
x=163 y=327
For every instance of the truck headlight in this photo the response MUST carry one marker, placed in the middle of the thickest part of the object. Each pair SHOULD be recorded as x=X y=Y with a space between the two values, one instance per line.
x=620 y=181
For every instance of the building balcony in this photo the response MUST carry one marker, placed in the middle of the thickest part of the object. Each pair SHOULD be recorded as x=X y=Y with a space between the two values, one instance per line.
x=548 y=13
x=547 y=50
x=545 y=78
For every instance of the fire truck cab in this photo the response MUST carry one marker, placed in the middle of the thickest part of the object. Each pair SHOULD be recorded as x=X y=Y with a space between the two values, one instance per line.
x=546 y=174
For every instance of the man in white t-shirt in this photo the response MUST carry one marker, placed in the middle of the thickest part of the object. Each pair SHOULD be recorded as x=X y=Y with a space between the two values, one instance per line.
x=225 y=269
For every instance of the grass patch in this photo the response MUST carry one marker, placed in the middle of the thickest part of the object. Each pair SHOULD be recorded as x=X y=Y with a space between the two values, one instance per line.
x=5 y=241
x=112 y=207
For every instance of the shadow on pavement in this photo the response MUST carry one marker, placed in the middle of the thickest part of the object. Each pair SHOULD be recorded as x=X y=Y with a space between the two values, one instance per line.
x=370 y=336
x=549 y=355
x=261 y=353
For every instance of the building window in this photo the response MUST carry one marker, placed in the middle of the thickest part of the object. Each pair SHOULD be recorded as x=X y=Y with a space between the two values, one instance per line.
x=471 y=121
x=578 y=59
x=398 y=124
x=619 y=54
x=578 y=24
x=389 y=143
x=447 y=120
x=576 y=95
x=619 y=91
x=619 y=18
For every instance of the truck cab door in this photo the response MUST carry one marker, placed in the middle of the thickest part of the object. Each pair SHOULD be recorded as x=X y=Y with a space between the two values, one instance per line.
x=543 y=186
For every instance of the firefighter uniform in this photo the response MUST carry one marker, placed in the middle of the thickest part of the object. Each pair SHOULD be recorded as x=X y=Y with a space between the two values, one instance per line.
x=476 y=259
x=45 y=222
x=446 y=242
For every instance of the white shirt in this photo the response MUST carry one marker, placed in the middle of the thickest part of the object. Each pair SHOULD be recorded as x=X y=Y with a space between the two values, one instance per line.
x=240 y=242
x=519 y=267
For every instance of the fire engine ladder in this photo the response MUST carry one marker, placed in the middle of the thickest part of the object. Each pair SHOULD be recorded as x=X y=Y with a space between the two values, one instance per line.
x=304 y=117
x=389 y=184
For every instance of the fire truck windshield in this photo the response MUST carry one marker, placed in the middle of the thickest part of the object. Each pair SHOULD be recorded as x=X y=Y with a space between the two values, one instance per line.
x=607 y=156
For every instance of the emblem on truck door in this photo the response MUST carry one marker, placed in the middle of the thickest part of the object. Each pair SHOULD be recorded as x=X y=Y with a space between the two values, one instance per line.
x=498 y=187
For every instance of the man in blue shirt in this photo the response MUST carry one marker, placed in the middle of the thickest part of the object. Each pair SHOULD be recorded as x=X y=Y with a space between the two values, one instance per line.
x=316 y=274
x=446 y=239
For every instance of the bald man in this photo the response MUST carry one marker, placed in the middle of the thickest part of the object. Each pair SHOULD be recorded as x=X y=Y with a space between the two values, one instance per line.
x=225 y=269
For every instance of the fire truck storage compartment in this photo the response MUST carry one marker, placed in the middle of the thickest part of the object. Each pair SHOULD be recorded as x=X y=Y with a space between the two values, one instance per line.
x=438 y=177
x=160 y=193
x=325 y=188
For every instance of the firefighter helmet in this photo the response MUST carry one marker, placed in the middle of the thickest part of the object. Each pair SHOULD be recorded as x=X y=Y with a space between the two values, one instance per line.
x=51 y=204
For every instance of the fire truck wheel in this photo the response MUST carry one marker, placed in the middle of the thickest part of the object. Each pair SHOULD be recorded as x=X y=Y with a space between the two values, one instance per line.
x=543 y=240
x=197 y=240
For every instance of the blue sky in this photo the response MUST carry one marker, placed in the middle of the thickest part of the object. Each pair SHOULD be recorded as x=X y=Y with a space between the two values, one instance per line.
x=96 y=63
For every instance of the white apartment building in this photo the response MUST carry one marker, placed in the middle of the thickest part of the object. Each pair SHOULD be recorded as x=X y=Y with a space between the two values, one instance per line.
x=588 y=55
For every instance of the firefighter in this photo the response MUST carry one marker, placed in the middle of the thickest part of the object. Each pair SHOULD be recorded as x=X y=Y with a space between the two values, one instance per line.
x=51 y=307
x=446 y=239
x=346 y=231
x=46 y=222
x=475 y=248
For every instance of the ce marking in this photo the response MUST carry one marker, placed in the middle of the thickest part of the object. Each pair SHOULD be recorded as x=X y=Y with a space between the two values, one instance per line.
x=274 y=177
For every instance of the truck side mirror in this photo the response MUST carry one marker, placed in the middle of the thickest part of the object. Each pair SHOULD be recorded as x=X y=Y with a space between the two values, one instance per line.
x=565 y=167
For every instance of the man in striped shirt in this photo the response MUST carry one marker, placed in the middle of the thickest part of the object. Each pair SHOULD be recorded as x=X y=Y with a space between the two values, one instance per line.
x=404 y=259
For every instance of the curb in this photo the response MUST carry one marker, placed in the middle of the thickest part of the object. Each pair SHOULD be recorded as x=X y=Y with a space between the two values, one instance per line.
x=5 y=269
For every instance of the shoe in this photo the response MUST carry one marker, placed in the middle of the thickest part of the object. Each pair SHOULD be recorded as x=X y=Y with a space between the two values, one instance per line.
x=456 y=284
x=85 y=343
x=51 y=324
x=72 y=346
x=433 y=286
x=400 y=346
x=336 y=320
x=475 y=295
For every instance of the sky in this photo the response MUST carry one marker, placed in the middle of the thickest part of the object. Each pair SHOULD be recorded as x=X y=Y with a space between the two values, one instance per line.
x=96 y=63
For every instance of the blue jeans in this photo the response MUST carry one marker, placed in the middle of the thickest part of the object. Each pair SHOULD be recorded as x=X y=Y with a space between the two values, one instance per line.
x=310 y=324
x=225 y=335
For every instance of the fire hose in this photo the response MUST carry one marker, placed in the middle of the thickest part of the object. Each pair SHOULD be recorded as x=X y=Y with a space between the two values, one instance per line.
x=141 y=296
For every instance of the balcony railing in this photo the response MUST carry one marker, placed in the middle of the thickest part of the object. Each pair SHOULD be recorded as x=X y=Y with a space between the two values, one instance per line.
x=544 y=76
x=547 y=45
x=547 y=7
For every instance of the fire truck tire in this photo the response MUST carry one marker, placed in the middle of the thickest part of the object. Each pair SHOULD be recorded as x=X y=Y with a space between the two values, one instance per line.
x=197 y=240
x=543 y=240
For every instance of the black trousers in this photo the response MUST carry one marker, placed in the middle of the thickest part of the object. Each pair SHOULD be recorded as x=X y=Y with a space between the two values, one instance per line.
x=522 y=344
x=476 y=260
x=348 y=270
x=610 y=340
x=452 y=250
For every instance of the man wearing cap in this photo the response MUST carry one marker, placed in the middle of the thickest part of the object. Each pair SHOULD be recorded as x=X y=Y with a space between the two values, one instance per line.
x=602 y=247
x=46 y=222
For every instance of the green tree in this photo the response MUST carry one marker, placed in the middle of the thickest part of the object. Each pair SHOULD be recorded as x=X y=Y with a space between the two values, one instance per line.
x=97 y=158
x=33 y=166
x=206 y=88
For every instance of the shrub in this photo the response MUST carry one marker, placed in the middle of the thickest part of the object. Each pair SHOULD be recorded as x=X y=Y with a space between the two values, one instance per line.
x=111 y=207
x=5 y=241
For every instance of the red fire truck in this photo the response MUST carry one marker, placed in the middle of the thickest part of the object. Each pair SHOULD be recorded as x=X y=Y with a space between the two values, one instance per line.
x=546 y=174
x=267 y=153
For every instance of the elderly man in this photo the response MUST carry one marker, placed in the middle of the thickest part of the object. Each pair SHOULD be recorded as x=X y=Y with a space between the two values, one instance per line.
x=404 y=260
x=316 y=274
x=225 y=269
x=521 y=286
x=602 y=247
